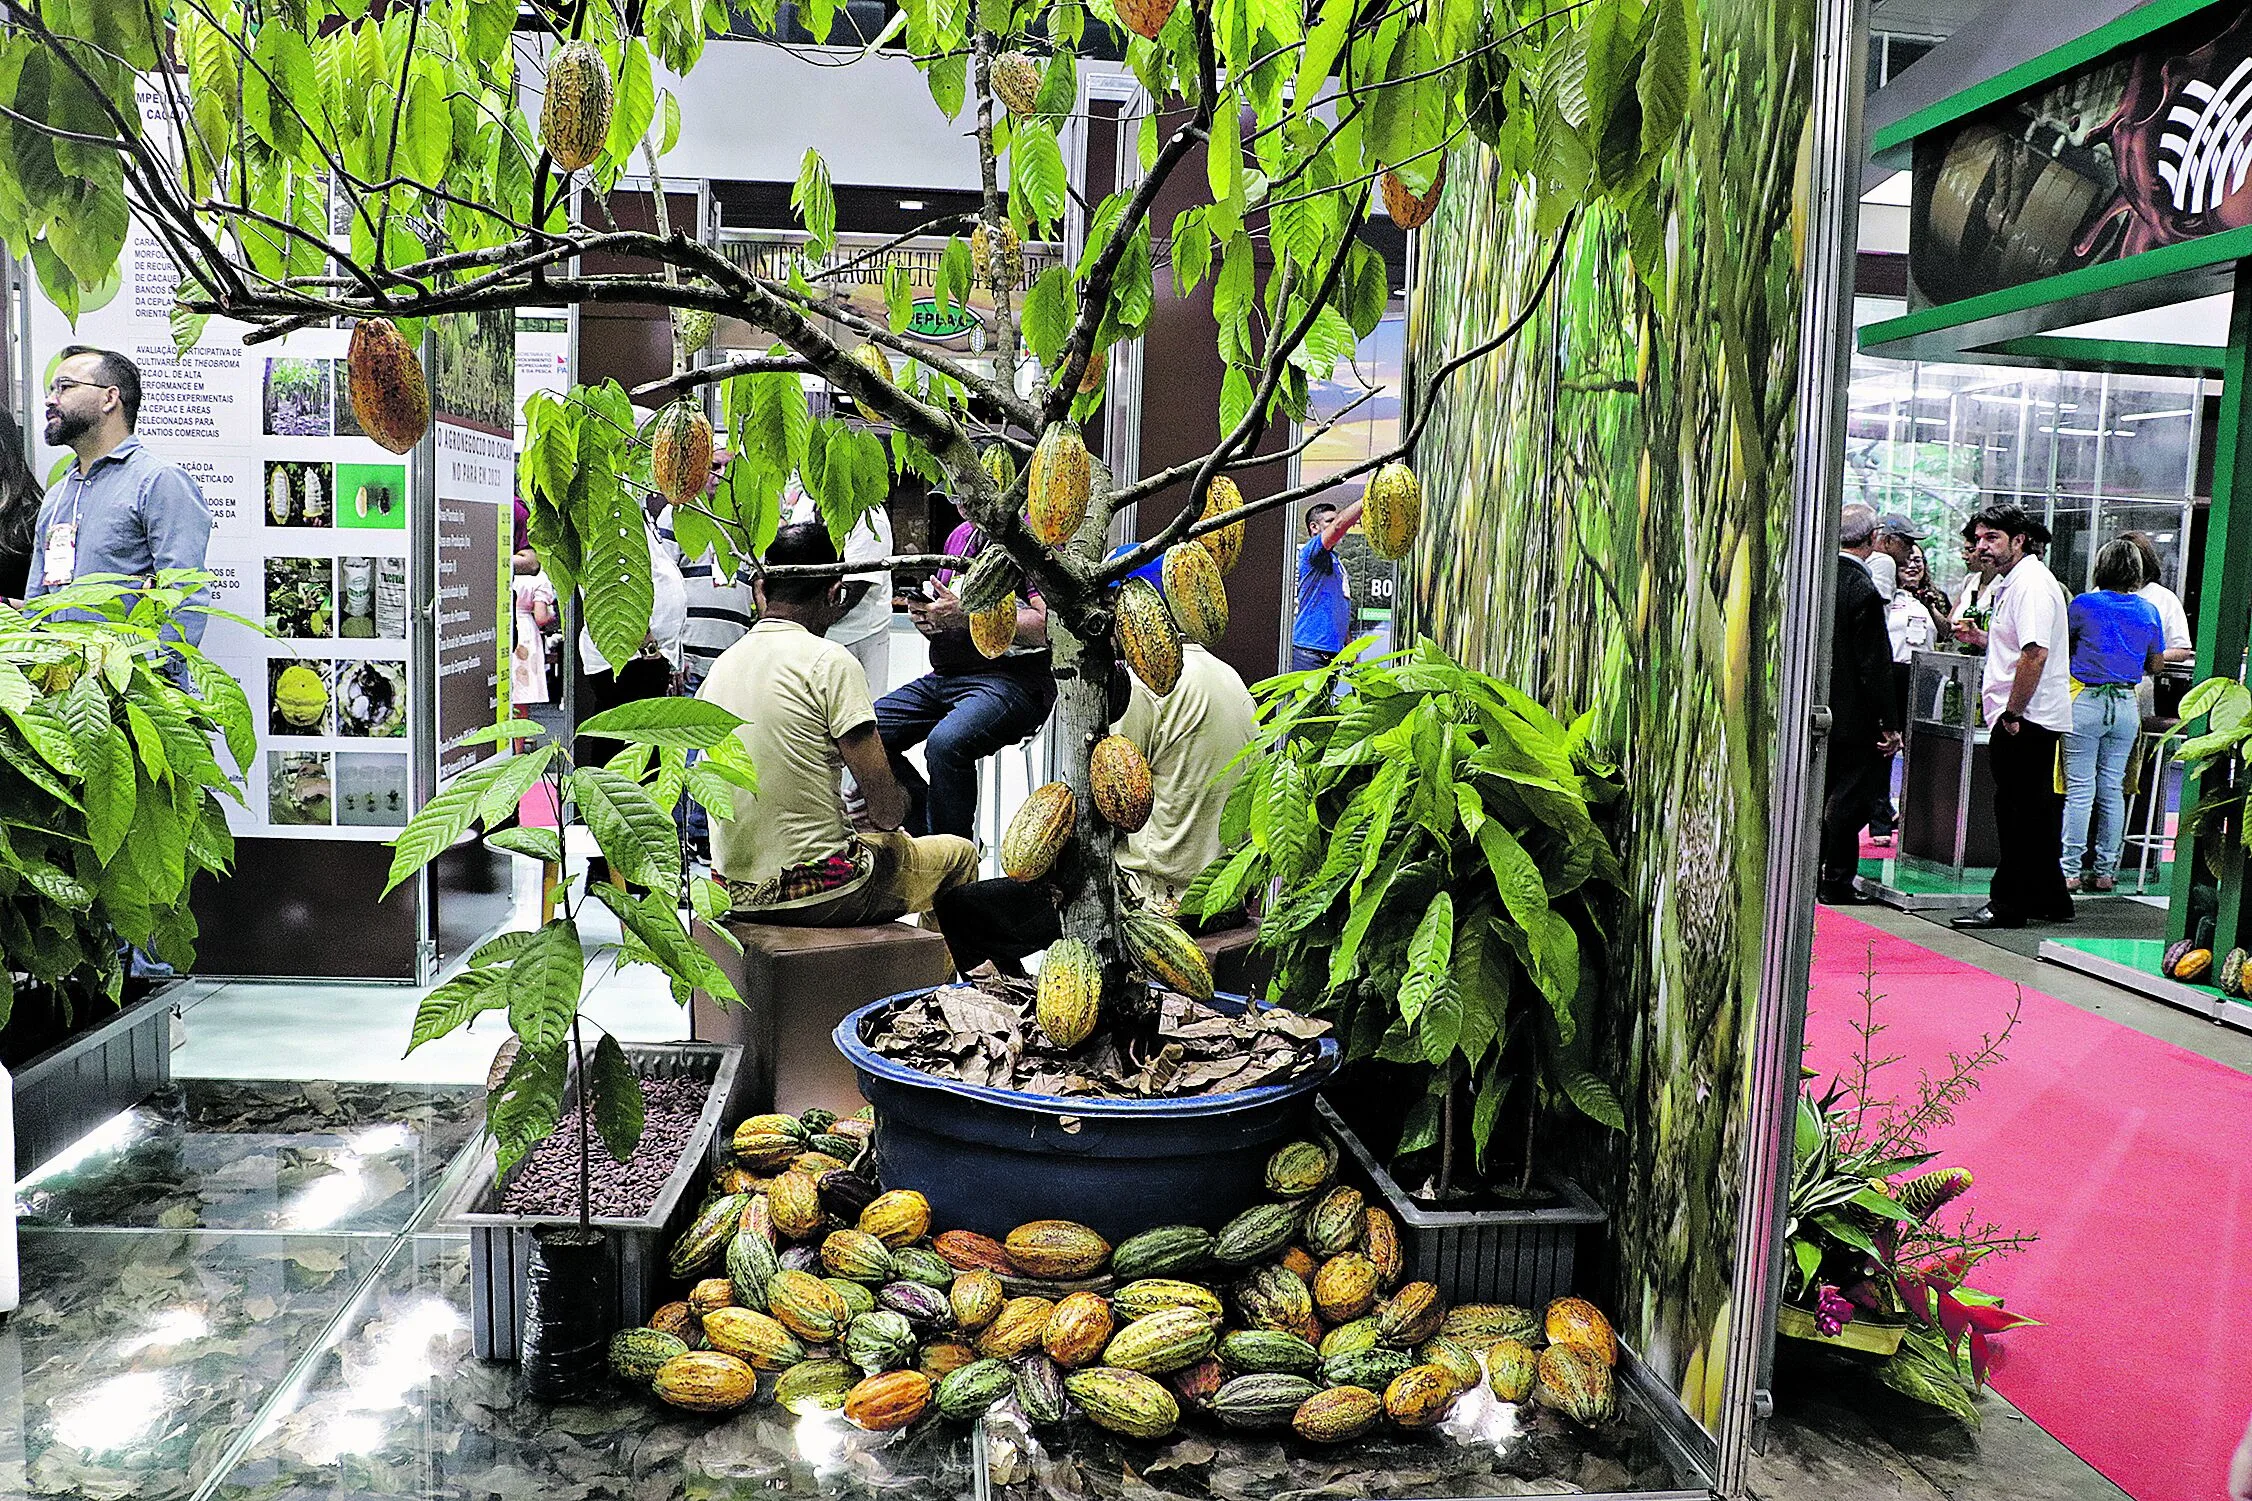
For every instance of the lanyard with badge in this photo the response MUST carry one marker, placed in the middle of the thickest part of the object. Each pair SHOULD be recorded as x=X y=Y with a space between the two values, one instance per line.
x=59 y=564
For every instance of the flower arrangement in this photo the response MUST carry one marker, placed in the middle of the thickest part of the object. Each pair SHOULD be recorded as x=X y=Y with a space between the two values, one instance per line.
x=1871 y=1254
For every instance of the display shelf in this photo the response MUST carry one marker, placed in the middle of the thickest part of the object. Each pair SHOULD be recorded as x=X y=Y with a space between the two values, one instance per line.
x=2132 y=964
x=1920 y=886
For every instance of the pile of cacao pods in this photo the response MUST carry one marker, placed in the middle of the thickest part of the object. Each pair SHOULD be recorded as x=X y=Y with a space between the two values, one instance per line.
x=815 y=1289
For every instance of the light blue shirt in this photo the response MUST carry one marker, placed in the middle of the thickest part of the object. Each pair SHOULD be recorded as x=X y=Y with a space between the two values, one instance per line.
x=136 y=515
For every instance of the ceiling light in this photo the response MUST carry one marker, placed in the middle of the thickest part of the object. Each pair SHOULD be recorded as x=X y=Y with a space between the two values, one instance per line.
x=2152 y=416
x=910 y=203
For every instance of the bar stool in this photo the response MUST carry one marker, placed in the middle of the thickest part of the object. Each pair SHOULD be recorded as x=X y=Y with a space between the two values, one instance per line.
x=991 y=825
x=2154 y=748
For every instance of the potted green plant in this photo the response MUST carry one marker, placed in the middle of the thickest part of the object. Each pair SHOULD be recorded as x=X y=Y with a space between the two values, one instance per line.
x=110 y=807
x=1871 y=1265
x=548 y=1287
x=1433 y=841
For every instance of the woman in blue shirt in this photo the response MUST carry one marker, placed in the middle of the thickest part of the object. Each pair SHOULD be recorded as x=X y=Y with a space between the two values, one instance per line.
x=2116 y=640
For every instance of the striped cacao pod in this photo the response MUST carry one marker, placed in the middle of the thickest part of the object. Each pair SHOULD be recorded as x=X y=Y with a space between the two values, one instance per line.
x=1119 y=776
x=691 y=329
x=857 y=1256
x=705 y=1381
x=968 y=1251
x=1453 y=1358
x=1071 y=993
x=1017 y=1329
x=1392 y=510
x=817 y=1165
x=881 y=1340
x=1040 y=1390
x=1056 y=1249
x=890 y=1401
x=1298 y=1168
x=1575 y=1321
x=390 y=398
x=1196 y=594
x=754 y=1338
x=575 y=111
x=763 y=1150
x=1419 y=1397
x=1381 y=1244
x=1123 y=1401
x=1256 y=1234
x=808 y=1307
x=1337 y=1222
x=1267 y=1350
x=1162 y=1252
x=2231 y=976
x=1039 y=832
x=1345 y=1287
x=897 y=1217
x=1161 y=1342
x=1148 y=639
x=1411 y=1315
x=815 y=1386
x=965 y=1393
x=1055 y=494
x=1575 y=1382
x=1346 y=1339
x=1274 y=1297
x=637 y=1354
x=1337 y=1415
x=976 y=1299
x=1163 y=952
x=680 y=452
x=1511 y=1369
x=1078 y=1329
x=992 y=576
x=1000 y=465
x=751 y=1264
x=1262 y=1400
x=859 y=1298
x=923 y=1306
x=707 y=1235
x=1476 y=1326
x=1406 y=209
x=794 y=1199
x=921 y=1264
x=1226 y=544
x=1016 y=82
x=1140 y=1299
x=1374 y=1367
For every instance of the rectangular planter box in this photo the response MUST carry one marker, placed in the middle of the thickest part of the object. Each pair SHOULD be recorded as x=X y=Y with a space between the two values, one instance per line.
x=1521 y=1256
x=81 y=1082
x=500 y=1245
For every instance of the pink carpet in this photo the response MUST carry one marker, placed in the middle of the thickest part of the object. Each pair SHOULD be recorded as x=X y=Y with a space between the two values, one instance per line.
x=2128 y=1156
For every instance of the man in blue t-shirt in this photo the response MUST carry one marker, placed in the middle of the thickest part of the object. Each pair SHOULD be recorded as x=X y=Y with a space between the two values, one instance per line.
x=1324 y=622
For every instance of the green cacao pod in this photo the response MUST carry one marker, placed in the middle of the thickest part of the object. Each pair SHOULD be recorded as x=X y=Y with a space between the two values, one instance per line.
x=1453 y=1358
x=751 y=1263
x=1016 y=82
x=575 y=110
x=680 y=452
x=390 y=397
x=1226 y=544
x=1056 y=1249
x=1345 y=1287
x=1274 y=1297
x=707 y=1236
x=965 y=1393
x=817 y=1119
x=1338 y=1415
x=1511 y=1369
x=691 y=329
x=857 y=1256
x=636 y=1354
x=1161 y=1342
x=1256 y=1234
x=1145 y=1296
x=1070 y=997
x=1267 y=1350
x=816 y=1386
x=1337 y=1221
x=807 y=1307
x=1411 y=1315
x=1078 y=1330
x=1123 y=1401
x=1165 y=1251
x=1119 y=777
x=752 y=1337
x=859 y=1298
x=1373 y=1368
x=887 y=1402
x=1263 y=1400
x=1000 y=465
x=1298 y=1168
x=1392 y=510
x=922 y=1264
x=880 y=1341
x=976 y=1298
x=878 y=364
x=1360 y=1334
x=2232 y=973
x=1195 y=593
x=829 y=1144
x=1570 y=1379
x=1039 y=1386
x=705 y=1381
x=898 y=1217
x=1419 y=1396
x=1163 y=951
x=1475 y=1326
x=1038 y=833
x=991 y=578
x=1056 y=490
x=1148 y=640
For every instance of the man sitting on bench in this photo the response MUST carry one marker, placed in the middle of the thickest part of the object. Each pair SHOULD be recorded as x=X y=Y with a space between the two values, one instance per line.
x=791 y=855
x=1191 y=738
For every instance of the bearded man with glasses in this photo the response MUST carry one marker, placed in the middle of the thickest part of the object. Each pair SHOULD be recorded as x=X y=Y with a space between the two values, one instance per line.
x=118 y=508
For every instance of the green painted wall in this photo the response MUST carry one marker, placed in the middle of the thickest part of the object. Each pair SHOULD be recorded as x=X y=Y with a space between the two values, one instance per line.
x=1607 y=507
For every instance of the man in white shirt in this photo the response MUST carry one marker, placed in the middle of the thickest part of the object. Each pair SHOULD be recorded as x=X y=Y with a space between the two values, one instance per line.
x=2027 y=697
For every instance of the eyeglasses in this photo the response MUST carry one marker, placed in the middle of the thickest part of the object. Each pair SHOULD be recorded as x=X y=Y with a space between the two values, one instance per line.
x=62 y=383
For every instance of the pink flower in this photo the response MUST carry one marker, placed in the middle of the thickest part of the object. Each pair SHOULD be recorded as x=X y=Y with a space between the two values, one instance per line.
x=1831 y=1313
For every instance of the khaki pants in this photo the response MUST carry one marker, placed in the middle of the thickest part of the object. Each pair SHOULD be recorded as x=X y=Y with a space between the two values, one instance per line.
x=911 y=871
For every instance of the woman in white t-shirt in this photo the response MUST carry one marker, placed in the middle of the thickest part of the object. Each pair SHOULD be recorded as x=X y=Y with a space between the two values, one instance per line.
x=2180 y=647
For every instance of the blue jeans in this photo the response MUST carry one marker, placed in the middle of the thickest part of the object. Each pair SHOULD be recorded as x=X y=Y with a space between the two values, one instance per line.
x=1308 y=658
x=959 y=718
x=2105 y=721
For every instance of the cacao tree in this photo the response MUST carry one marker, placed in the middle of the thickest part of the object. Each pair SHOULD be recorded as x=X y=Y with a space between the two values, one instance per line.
x=229 y=129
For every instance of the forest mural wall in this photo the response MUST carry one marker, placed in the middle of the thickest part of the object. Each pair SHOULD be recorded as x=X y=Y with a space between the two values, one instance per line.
x=1612 y=499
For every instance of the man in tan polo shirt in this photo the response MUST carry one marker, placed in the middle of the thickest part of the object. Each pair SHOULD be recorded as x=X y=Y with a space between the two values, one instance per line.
x=791 y=855
x=1191 y=738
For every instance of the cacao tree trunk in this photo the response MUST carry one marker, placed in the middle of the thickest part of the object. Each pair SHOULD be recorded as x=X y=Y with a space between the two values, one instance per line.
x=1089 y=889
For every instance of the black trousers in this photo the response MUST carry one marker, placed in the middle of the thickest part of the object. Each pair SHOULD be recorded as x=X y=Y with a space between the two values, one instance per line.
x=997 y=922
x=1883 y=817
x=2028 y=826
x=1850 y=787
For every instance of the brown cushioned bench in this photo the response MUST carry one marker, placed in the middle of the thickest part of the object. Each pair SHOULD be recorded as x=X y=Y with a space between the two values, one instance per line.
x=1237 y=967
x=796 y=985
